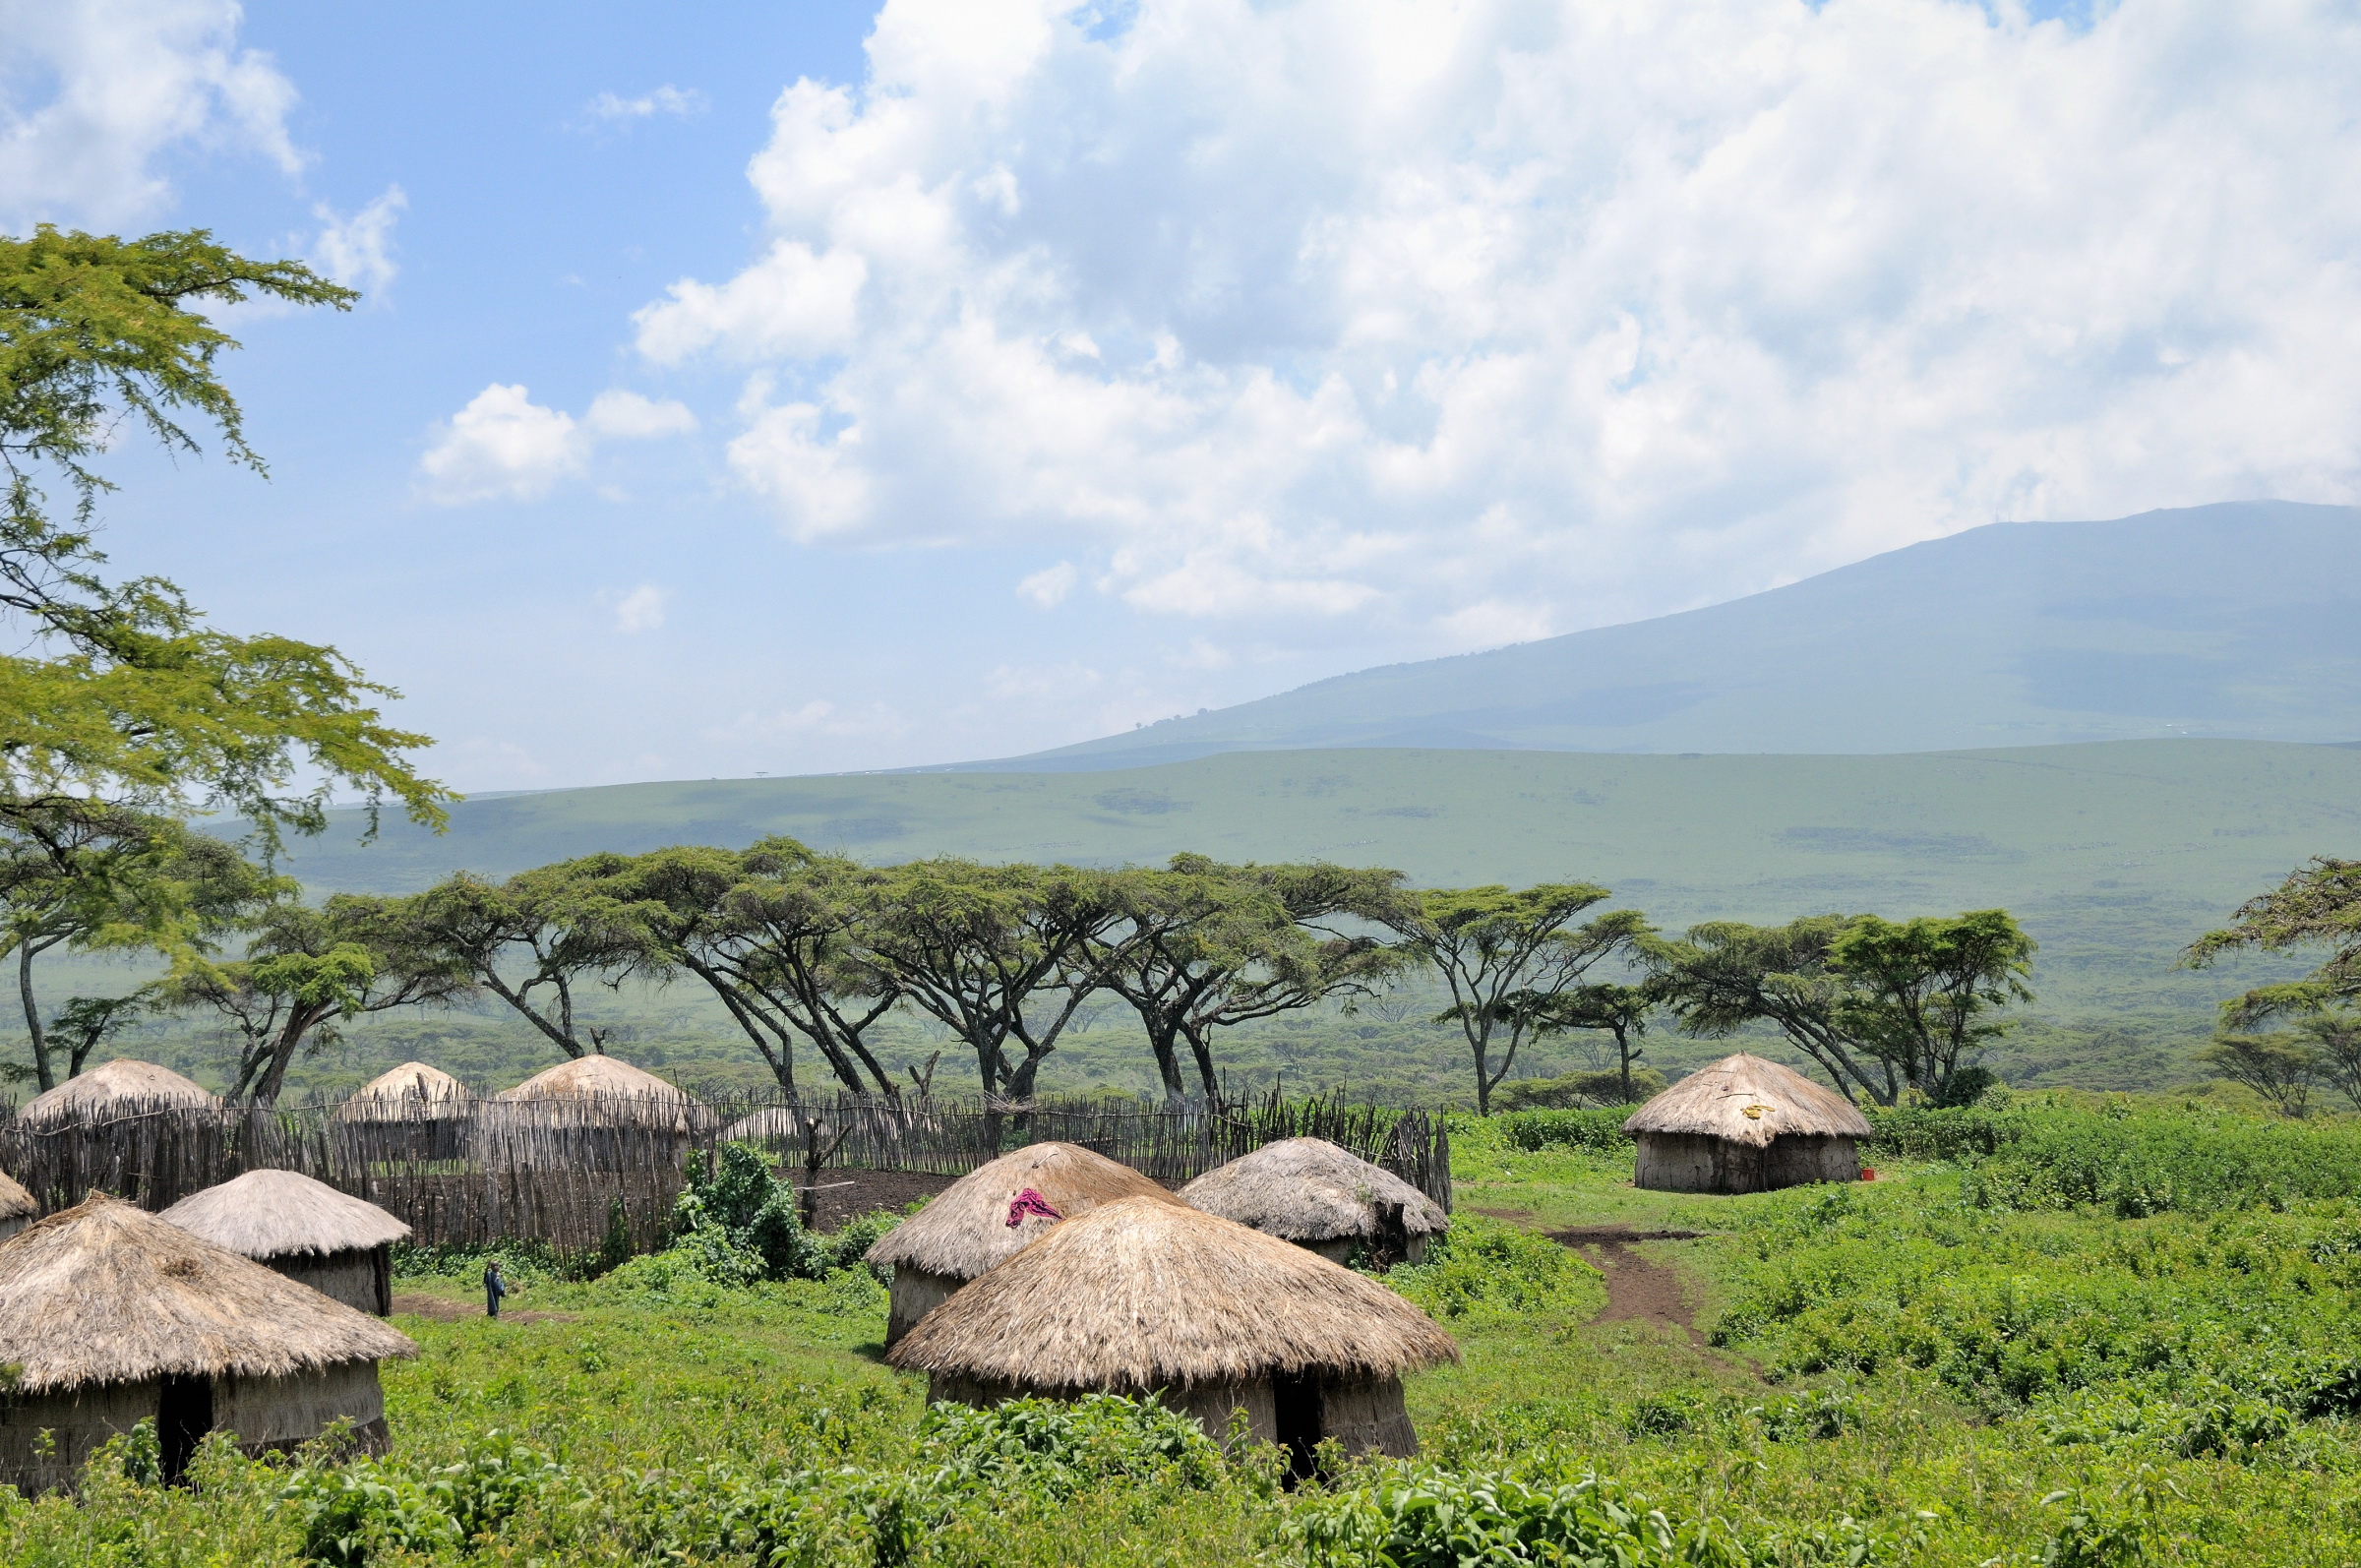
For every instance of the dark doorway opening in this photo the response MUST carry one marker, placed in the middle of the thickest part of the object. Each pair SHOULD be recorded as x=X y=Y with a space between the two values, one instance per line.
x=1296 y=1412
x=183 y=1416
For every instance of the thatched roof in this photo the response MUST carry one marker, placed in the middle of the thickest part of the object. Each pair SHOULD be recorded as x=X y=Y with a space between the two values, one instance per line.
x=779 y=1122
x=965 y=1229
x=103 y=1292
x=411 y=1092
x=14 y=1202
x=608 y=1088
x=1307 y=1189
x=1747 y=1100
x=1141 y=1294
x=275 y=1214
x=115 y=1089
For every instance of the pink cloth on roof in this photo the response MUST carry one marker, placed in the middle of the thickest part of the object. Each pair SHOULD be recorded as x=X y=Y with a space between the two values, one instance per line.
x=1030 y=1202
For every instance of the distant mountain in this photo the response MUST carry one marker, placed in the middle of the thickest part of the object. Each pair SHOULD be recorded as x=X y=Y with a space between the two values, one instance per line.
x=2239 y=621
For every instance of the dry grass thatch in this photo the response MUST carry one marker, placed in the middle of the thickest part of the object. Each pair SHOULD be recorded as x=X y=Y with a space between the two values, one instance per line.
x=104 y=1292
x=965 y=1229
x=275 y=1214
x=1307 y=1189
x=115 y=1089
x=1141 y=1294
x=14 y=1202
x=411 y=1092
x=1749 y=1100
x=610 y=1089
x=777 y=1122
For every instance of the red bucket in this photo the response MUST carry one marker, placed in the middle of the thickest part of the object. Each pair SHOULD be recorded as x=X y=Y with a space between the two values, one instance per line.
x=1868 y=1174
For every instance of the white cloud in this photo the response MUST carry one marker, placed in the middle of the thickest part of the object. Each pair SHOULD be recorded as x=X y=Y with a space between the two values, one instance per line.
x=503 y=445
x=612 y=108
x=1049 y=587
x=95 y=93
x=627 y=416
x=641 y=609
x=819 y=716
x=357 y=251
x=1468 y=323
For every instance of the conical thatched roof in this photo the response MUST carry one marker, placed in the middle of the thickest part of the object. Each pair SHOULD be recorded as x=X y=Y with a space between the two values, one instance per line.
x=779 y=1122
x=1307 y=1189
x=411 y=1092
x=275 y=1214
x=14 y=1202
x=1747 y=1100
x=103 y=1292
x=965 y=1229
x=113 y=1089
x=609 y=1088
x=1141 y=1294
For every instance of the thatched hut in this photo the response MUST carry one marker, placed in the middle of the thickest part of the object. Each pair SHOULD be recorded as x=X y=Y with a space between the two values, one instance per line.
x=111 y=1316
x=1330 y=1200
x=1745 y=1126
x=111 y=1089
x=1141 y=1296
x=306 y=1229
x=593 y=1113
x=983 y=1217
x=17 y=1207
x=413 y=1112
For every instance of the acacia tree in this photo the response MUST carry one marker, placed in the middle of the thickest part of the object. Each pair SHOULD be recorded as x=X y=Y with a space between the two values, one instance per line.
x=1620 y=1012
x=2281 y=1068
x=107 y=880
x=1202 y=946
x=535 y=937
x=1505 y=954
x=309 y=969
x=971 y=945
x=2318 y=905
x=773 y=933
x=118 y=692
x=1881 y=1005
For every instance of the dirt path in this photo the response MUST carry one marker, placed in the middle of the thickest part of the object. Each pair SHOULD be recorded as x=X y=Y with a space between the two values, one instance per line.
x=1638 y=1291
x=443 y=1309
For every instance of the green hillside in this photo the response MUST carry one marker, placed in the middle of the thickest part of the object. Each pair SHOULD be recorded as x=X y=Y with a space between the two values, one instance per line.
x=2114 y=854
x=2235 y=621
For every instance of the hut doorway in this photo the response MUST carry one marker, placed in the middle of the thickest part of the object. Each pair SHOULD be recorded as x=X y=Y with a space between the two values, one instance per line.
x=1295 y=1413
x=184 y=1413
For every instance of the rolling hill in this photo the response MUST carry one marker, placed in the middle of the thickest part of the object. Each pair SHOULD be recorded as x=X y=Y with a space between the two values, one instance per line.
x=2239 y=621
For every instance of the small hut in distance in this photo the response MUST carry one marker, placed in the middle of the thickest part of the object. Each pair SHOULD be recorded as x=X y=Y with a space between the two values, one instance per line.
x=983 y=1218
x=113 y=1088
x=1327 y=1199
x=111 y=1317
x=17 y=1207
x=1745 y=1125
x=594 y=1113
x=302 y=1229
x=413 y=1110
x=1148 y=1296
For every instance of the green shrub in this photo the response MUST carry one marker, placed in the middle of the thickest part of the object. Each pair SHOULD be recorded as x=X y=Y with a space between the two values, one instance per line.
x=351 y=1511
x=1417 y=1516
x=1591 y=1131
x=1483 y=1267
x=1061 y=1446
x=1575 y=1090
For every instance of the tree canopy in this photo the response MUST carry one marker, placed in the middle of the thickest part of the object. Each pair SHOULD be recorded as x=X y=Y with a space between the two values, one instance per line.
x=2318 y=905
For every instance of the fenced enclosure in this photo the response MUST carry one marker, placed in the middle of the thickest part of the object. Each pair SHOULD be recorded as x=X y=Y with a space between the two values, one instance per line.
x=571 y=1173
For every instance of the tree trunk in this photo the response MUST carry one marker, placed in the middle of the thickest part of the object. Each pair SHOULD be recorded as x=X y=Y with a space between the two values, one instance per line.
x=1160 y=1037
x=33 y=1018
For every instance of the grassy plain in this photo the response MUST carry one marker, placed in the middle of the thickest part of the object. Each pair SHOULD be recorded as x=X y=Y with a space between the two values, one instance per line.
x=2114 y=855
x=2102 y=1334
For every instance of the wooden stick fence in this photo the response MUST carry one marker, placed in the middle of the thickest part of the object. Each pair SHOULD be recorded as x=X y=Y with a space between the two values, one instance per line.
x=574 y=1173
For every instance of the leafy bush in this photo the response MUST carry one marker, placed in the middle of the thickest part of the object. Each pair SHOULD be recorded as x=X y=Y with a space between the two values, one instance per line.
x=1061 y=1445
x=1575 y=1090
x=349 y=1512
x=734 y=1207
x=1591 y=1131
x=1483 y=1267
x=1420 y=1517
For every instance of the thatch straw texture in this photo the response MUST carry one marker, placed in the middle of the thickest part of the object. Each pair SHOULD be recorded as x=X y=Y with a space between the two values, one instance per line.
x=1748 y=1101
x=780 y=1122
x=113 y=1089
x=16 y=1204
x=965 y=1229
x=615 y=1090
x=1142 y=1293
x=1307 y=1189
x=275 y=1214
x=104 y=1292
x=411 y=1092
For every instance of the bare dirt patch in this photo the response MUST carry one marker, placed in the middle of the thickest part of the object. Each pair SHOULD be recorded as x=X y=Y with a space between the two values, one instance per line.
x=443 y=1309
x=1638 y=1290
x=846 y=1193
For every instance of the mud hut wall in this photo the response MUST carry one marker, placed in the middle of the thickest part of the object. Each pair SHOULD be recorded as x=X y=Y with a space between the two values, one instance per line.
x=9 y=1227
x=1366 y=1415
x=280 y=1412
x=78 y=1419
x=913 y=1294
x=1210 y=1405
x=1669 y=1162
x=361 y=1278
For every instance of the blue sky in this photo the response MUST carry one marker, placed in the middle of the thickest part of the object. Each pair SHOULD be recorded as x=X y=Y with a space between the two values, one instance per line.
x=812 y=387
